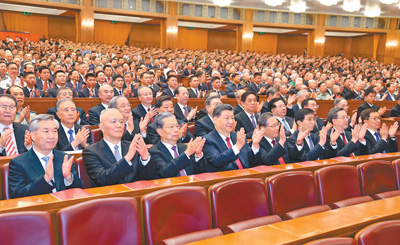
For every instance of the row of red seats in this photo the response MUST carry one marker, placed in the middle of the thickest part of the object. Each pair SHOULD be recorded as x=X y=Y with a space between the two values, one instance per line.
x=386 y=232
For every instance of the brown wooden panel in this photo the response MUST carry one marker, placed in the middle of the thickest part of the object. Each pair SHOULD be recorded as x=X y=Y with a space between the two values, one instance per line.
x=265 y=43
x=107 y=32
x=362 y=46
x=337 y=45
x=62 y=27
x=292 y=44
x=192 y=39
x=143 y=35
x=221 y=40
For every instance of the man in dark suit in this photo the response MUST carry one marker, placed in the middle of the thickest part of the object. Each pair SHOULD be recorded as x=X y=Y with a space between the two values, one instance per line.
x=182 y=110
x=74 y=80
x=172 y=158
x=172 y=81
x=256 y=85
x=370 y=95
x=106 y=93
x=89 y=91
x=271 y=94
x=379 y=141
x=234 y=86
x=165 y=104
x=238 y=107
x=303 y=145
x=216 y=84
x=390 y=89
x=225 y=149
x=43 y=82
x=113 y=161
x=145 y=107
x=349 y=143
x=31 y=90
x=194 y=91
x=395 y=111
x=188 y=71
x=71 y=136
x=278 y=108
x=272 y=144
x=147 y=79
x=61 y=80
x=300 y=97
x=42 y=170
x=14 y=138
x=205 y=125
x=247 y=119
x=311 y=103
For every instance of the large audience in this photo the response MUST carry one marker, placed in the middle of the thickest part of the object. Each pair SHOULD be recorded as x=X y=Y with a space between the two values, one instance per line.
x=274 y=121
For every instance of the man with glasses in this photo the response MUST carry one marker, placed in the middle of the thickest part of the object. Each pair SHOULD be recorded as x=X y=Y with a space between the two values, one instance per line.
x=350 y=143
x=342 y=103
x=310 y=103
x=145 y=95
x=12 y=77
x=278 y=108
x=379 y=141
x=304 y=145
x=15 y=138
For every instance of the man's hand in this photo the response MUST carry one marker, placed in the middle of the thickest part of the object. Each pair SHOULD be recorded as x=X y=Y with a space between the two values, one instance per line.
x=393 y=129
x=143 y=123
x=28 y=114
x=382 y=111
x=334 y=136
x=152 y=113
x=22 y=115
x=282 y=135
x=48 y=175
x=66 y=168
x=355 y=134
x=363 y=131
x=322 y=136
x=77 y=116
x=130 y=125
x=353 y=119
x=260 y=106
x=241 y=139
x=159 y=93
x=192 y=114
x=291 y=100
x=80 y=138
x=4 y=137
x=27 y=139
x=199 y=149
x=141 y=148
x=183 y=130
x=132 y=149
x=258 y=134
x=192 y=146
x=301 y=136
x=126 y=92
x=384 y=131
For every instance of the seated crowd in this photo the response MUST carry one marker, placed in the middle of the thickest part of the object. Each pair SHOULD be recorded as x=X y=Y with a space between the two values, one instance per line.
x=274 y=121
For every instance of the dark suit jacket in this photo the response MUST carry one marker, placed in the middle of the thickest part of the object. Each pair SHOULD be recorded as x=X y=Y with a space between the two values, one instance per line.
x=82 y=115
x=27 y=94
x=154 y=137
x=395 y=111
x=103 y=169
x=388 y=97
x=52 y=92
x=295 y=108
x=307 y=154
x=187 y=73
x=265 y=107
x=155 y=88
x=231 y=88
x=221 y=158
x=84 y=93
x=243 y=121
x=26 y=176
x=19 y=133
x=253 y=87
x=351 y=147
x=179 y=113
x=365 y=106
x=63 y=141
x=138 y=112
x=192 y=94
x=203 y=126
x=237 y=109
x=168 y=91
x=290 y=122
x=201 y=113
x=270 y=154
x=94 y=114
x=167 y=166
x=382 y=145
x=39 y=83
x=318 y=126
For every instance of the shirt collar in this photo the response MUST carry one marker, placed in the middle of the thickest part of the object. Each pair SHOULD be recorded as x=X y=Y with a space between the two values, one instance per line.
x=111 y=145
x=5 y=126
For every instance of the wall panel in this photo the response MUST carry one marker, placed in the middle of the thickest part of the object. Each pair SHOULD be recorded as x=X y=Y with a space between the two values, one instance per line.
x=16 y=21
x=143 y=35
x=338 y=45
x=192 y=39
x=362 y=46
x=291 y=44
x=107 y=32
x=265 y=43
x=219 y=39
x=62 y=27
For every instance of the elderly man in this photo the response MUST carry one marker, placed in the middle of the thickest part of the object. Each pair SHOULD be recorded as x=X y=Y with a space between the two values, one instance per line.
x=278 y=108
x=71 y=136
x=145 y=107
x=205 y=125
x=225 y=149
x=114 y=161
x=106 y=93
x=42 y=169
x=182 y=110
x=172 y=158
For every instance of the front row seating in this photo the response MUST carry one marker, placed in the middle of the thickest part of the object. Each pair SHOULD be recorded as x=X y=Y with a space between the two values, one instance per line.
x=4 y=176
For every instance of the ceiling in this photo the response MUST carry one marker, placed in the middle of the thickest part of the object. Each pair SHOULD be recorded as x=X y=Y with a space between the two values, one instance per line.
x=313 y=6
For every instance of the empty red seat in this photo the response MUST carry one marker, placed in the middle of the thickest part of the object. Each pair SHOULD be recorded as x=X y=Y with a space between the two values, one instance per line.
x=338 y=186
x=378 y=179
x=193 y=236
x=191 y=128
x=31 y=227
x=96 y=135
x=333 y=241
x=4 y=176
x=385 y=233
x=293 y=195
x=234 y=206
x=176 y=211
x=396 y=166
x=102 y=221
x=82 y=173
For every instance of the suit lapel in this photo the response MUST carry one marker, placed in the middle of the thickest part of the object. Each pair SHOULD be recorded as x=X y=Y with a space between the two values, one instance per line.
x=107 y=152
x=19 y=138
x=35 y=163
x=57 y=166
x=165 y=151
x=62 y=138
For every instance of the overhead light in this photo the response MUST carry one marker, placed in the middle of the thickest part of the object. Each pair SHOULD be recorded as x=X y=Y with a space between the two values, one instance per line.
x=297 y=6
x=389 y=1
x=199 y=25
x=328 y=2
x=30 y=9
x=320 y=40
x=222 y=3
x=351 y=5
x=120 y=18
x=392 y=43
x=273 y=3
x=172 y=29
x=372 y=11
x=248 y=35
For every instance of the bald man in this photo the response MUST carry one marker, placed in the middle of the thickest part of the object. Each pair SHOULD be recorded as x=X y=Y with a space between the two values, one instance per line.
x=114 y=161
x=106 y=93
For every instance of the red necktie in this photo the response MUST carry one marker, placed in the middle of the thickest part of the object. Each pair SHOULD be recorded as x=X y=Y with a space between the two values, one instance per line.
x=151 y=119
x=238 y=163
x=10 y=146
x=45 y=88
x=345 y=142
x=281 y=161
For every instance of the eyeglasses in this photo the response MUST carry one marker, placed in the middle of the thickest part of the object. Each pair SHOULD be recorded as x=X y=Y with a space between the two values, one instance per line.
x=344 y=117
x=273 y=126
x=126 y=106
x=11 y=107
x=376 y=119
x=315 y=106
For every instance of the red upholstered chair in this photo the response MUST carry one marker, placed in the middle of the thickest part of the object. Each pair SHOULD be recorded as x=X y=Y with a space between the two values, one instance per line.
x=96 y=135
x=4 y=175
x=191 y=128
x=386 y=232
x=194 y=236
x=102 y=221
x=378 y=179
x=176 y=211
x=233 y=205
x=31 y=227
x=334 y=241
x=82 y=173
x=338 y=186
x=396 y=166
x=293 y=195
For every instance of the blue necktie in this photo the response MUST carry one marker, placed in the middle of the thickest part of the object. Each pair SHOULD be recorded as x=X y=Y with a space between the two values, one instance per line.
x=71 y=135
x=310 y=142
x=377 y=139
x=285 y=124
x=46 y=160
x=116 y=153
x=197 y=93
x=253 y=121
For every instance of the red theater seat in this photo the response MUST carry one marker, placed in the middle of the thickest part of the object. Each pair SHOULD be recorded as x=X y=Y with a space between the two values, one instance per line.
x=385 y=233
x=338 y=186
x=378 y=179
x=4 y=175
x=293 y=195
x=396 y=165
x=102 y=221
x=191 y=128
x=31 y=227
x=96 y=135
x=82 y=173
x=237 y=208
x=192 y=237
x=334 y=241
x=176 y=211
